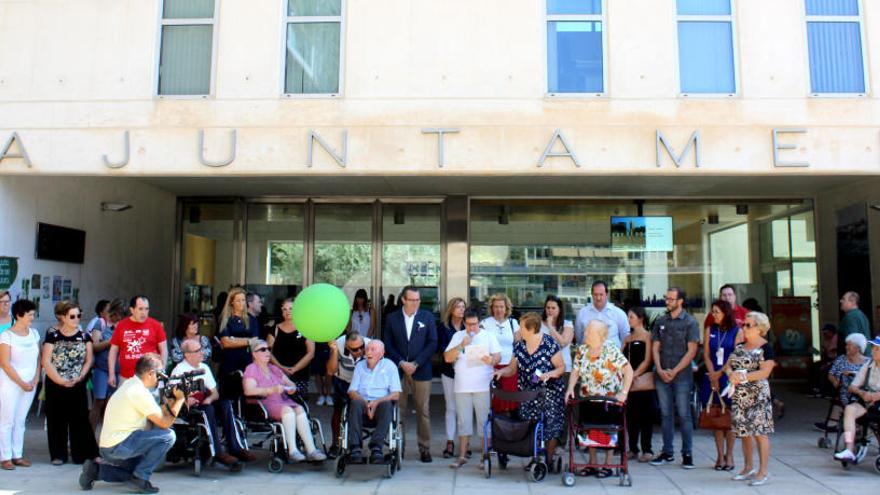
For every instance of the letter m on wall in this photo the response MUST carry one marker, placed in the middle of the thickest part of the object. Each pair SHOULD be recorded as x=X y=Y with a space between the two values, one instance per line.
x=693 y=141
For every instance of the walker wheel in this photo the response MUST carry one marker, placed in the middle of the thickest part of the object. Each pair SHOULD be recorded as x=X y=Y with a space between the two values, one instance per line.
x=625 y=479
x=568 y=479
x=340 y=465
x=824 y=443
x=487 y=466
x=538 y=472
x=276 y=464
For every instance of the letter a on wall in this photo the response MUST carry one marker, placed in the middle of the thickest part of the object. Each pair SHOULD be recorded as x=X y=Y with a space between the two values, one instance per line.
x=22 y=153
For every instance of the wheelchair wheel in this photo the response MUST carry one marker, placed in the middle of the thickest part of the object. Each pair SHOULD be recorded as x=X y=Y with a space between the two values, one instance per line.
x=487 y=466
x=877 y=464
x=398 y=454
x=502 y=460
x=340 y=465
x=276 y=465
x=538 y=472
x=568 y=479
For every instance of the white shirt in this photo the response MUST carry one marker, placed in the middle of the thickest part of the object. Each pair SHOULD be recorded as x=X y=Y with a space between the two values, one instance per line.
x=611 y=315
x=207 y=378
x=566 y=351
x=503 y=331
x=345 y=361
x=23 y=355
x=408 y=321
x=468 y=378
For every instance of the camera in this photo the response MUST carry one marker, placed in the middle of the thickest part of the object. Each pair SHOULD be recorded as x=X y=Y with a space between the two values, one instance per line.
x=187 y=382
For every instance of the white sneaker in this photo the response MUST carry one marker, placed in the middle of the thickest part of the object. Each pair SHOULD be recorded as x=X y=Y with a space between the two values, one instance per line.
x=316 y=455
x=296 y=456
x=329 y=401
x=320 y=400
x=845 y=455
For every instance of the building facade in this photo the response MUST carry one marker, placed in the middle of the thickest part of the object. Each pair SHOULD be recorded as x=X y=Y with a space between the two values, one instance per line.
x=464 y=147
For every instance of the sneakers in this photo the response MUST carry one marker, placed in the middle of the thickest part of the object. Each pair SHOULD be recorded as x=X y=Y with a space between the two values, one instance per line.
x=89 y=475
x=137 y=485
x=662 y=459
x=687 y=461
x=329 y=401
x=296 y=456
x=356 y=456
x=845 y=455
x=316 y=456
x=321 y=400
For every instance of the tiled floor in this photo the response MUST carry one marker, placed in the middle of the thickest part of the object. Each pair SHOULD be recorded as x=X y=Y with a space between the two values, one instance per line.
x=797 y=467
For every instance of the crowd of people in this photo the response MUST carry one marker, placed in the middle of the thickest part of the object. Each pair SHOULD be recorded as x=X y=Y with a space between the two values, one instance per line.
x=605 y=351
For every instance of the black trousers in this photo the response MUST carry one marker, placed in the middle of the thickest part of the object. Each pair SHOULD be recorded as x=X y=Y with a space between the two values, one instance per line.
x=67 y=418
x=641 y=411
x=357 y=417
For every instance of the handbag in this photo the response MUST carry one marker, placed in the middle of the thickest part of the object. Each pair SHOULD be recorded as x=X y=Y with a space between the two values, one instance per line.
x=643 y=382
x=715 y=416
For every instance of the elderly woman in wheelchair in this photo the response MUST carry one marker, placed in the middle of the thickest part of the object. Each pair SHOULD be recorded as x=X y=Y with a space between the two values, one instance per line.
x=866 y=389
x=267 y=382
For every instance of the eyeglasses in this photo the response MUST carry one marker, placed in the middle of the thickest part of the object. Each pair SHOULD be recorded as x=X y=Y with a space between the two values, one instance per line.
x=410 y=299
x=262 y=349
x=193 y=351
x=74 y=317
x=749 y=325
x=6 y=301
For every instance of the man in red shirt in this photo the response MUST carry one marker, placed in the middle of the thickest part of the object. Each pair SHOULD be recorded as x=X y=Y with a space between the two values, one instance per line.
x=726 y=293
x=133 y=337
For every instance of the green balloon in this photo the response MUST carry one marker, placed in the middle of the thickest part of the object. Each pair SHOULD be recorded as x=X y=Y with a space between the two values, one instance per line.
x=321 y=312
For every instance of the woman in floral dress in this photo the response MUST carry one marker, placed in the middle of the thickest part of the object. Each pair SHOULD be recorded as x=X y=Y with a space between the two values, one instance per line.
x=751 y=416
x=67 y=358
x=599 y=369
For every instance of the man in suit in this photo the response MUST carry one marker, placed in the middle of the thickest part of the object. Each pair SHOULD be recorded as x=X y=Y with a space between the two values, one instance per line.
x=410 y=338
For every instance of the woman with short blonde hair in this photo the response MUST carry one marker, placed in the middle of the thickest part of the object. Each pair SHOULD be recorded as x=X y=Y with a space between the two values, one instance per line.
x=506 y=331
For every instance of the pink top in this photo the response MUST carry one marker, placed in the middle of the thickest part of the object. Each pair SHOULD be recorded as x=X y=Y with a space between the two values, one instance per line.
x=273 y=403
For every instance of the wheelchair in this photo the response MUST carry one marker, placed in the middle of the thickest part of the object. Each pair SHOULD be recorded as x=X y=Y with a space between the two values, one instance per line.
x=867 y=426
x=393 y=461
x=265 y=433
x=833 y=421
x=194 y=442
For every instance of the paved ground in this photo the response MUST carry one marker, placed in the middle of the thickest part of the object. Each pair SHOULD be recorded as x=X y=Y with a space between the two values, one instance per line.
x=797 y=467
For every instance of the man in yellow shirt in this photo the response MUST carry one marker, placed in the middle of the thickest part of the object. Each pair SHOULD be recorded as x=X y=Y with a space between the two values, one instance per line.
x=131 y=450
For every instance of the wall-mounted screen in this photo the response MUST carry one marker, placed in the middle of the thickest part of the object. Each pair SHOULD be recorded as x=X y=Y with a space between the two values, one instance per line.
x=60 y=243
x=641 y=234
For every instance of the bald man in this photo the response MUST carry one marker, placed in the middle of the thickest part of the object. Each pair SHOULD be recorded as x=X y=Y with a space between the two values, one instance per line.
x=375 y=386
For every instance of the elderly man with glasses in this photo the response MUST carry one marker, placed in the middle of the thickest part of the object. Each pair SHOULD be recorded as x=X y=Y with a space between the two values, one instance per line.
x=205 y=398
x=345 y=353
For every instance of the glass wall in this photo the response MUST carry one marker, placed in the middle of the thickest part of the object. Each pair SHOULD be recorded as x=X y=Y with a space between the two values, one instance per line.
x=411 y=252
x=344 y=246
x=529 y=249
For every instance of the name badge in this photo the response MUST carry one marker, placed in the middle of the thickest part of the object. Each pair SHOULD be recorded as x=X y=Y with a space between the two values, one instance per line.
x=719 y=356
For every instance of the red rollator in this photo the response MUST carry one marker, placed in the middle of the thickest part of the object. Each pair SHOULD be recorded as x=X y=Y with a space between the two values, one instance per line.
x=597 y=422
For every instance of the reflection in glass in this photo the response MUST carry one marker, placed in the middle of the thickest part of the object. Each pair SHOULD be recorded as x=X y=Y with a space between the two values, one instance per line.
x=275 y=253
x=312 y=58
x=208 y=254
x=411 y=252
x=574 y=57
x=185 y=64
x=343 y=246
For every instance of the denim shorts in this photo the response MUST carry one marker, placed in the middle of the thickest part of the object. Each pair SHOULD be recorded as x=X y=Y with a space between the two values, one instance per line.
x=100 y=388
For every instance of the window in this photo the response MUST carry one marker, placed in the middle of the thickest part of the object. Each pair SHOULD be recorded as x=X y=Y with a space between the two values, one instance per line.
x=312 y=47
x=706 y=60
x=187 y=54
x=575 y=47
x=834 y=39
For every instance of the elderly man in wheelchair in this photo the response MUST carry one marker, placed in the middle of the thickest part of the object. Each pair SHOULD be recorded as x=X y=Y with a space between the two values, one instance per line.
x=866 y=388
x=201 y=388
x=375 y=388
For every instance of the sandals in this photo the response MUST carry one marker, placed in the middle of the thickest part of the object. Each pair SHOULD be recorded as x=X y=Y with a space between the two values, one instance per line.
x=604 y=473
x=719 y=466
x=461 y=461
x=449 y=453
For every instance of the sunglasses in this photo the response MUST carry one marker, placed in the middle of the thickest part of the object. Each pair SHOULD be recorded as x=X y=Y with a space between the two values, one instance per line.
x=74 y=317
x=355 y=349
x=262 y=349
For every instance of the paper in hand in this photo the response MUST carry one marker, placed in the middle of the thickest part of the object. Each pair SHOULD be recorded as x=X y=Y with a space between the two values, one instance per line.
x=475 y=354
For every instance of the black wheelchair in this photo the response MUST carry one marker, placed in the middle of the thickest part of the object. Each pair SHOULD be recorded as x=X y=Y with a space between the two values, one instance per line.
x=867 y=426
x=194 y=442
x=393 y=459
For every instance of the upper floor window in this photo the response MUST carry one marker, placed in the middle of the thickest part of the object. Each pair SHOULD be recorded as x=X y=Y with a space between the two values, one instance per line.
x=186 y=57
x=834 y=36
x=706 y=60
x=312 y=47
x=575 y=46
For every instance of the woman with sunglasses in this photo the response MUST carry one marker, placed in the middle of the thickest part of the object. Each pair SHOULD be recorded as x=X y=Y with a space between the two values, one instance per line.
x=290 y=350
x=67 y=358
x=5 y=314
x=19 y=375
x=265 y=380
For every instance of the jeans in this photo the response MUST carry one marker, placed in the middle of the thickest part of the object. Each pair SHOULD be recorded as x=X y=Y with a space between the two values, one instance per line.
x=675 y=397
x=139 y=454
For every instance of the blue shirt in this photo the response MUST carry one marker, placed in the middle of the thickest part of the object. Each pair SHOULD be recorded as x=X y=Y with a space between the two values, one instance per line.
x=611 y=315
x=376 y=383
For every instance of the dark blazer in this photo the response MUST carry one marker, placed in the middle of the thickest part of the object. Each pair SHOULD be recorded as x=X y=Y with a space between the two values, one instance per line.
x=418 y=349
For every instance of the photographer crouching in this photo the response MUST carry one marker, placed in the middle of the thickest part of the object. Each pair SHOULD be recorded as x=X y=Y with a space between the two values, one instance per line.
x=129 y=449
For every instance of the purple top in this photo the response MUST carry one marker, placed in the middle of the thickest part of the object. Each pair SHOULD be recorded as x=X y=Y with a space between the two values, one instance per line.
x=273 y=403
